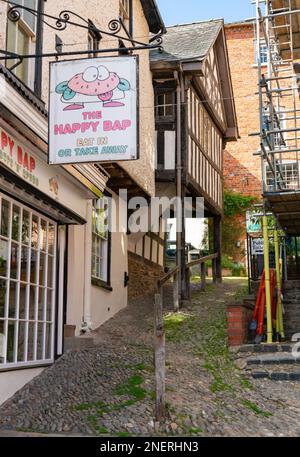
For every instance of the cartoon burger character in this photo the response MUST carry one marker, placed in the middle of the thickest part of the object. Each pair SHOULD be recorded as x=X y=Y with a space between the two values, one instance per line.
x=93 y=85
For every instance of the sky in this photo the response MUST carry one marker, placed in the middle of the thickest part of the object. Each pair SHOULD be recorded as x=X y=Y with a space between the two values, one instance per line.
x=182 y=11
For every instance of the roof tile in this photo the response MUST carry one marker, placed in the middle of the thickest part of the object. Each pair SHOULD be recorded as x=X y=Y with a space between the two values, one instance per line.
x=188 y=42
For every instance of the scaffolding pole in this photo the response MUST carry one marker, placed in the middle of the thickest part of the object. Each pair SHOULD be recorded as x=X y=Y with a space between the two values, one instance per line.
x=277 y=130
x=267 y=279
x=278 y=262
x=279 y=109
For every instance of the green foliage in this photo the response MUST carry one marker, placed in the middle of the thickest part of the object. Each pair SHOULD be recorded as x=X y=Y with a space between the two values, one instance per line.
x=179 y=326
x=236 y=204
x=238 y=270
x=227 y=262
x=255 y=409
x=132 y=388
x=235 y=207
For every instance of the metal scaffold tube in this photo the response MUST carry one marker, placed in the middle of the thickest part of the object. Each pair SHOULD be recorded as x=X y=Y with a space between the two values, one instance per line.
x=278 y=262
x=278 y=132
x=267 y=279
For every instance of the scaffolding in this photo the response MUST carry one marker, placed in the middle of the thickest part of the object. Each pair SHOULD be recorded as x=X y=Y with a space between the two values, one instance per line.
x=278 y=95
x=276 y=28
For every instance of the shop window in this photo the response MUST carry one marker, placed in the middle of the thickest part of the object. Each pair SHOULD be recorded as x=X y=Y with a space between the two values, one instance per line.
x=165 y=106
x=27 y=285
x=20 y=39
x=101 y=242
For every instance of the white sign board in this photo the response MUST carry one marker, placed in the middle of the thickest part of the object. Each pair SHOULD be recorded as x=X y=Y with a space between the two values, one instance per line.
x=93 y=113
x=257 y=246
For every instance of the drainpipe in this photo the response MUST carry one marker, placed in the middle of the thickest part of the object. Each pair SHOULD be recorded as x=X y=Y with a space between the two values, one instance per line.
x=179 y=246
x=87 y=315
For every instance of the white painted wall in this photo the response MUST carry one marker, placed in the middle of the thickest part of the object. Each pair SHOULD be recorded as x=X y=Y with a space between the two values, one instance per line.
x=12 y=381
x=103 y=303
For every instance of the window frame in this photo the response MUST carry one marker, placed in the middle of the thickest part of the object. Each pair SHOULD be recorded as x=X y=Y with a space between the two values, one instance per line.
x=166 y=118
x=262 y=45
x=284 y=163
x=97 y=281
x=21 y=26
x=94 y=39
x=43 y=288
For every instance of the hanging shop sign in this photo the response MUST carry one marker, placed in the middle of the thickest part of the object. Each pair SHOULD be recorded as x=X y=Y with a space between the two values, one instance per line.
x=253 y=222
x=93 y=112
x=257 y=246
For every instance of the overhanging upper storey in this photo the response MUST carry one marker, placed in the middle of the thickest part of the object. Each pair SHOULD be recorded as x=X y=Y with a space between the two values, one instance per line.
x=199 y=50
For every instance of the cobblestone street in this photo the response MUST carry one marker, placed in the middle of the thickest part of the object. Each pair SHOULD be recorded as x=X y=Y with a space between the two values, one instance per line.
x=109 y=389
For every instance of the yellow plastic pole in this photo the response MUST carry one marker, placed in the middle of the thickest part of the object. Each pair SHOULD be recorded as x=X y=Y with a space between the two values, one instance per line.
x=279 y=321
x=267 y=280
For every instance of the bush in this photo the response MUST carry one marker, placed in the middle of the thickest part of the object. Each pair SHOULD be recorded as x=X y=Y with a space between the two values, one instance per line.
x=238 y=270
x=233 y=227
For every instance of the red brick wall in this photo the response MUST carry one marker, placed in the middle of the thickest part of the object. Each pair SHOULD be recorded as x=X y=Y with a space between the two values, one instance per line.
x=238 y=320
x=242 y=170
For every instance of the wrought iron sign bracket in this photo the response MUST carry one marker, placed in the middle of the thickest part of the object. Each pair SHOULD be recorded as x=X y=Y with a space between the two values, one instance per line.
x=115 y=29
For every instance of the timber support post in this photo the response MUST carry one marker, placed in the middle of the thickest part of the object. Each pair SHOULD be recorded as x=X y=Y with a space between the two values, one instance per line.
x=188 y=276
x=217 y=265
x=203 y=275
x=175 y=293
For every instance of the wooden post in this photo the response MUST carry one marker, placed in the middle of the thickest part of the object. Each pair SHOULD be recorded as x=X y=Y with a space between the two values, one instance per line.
x=188 y=283
x=159 y=354
x=184 y=292
x=203 y=275
x=218 y=248
x=175 y=293
x=214 y=271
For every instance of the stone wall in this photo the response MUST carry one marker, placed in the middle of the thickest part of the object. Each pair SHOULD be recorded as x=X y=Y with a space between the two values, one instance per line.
x=143 y=276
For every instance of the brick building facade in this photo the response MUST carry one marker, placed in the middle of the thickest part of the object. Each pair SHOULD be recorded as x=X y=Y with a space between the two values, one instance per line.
x=242 y=170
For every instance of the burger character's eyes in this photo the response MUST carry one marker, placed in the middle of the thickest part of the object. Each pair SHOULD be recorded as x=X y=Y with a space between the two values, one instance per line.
x=103 y=73
x=90 y=74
